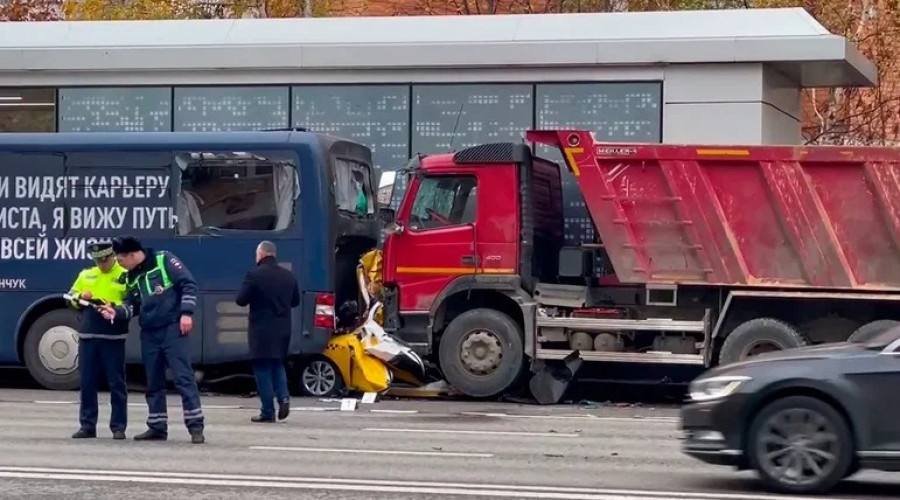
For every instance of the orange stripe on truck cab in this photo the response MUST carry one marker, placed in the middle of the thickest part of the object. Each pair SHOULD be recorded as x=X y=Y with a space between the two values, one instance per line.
x=452 y=270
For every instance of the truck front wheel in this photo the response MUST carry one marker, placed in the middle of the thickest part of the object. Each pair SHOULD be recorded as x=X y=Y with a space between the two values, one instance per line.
x=481 y=353
x=51 y=350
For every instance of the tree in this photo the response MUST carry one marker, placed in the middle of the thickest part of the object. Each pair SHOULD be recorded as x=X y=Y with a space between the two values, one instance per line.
x=191 y=9
x=29 y=10
x=856 y=116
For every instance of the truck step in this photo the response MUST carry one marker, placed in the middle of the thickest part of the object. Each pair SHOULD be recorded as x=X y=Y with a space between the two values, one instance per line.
x=624 y=357
x=607 y=325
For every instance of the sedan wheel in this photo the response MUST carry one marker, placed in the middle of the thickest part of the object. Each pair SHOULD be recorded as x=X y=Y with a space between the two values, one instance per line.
x=800 y=445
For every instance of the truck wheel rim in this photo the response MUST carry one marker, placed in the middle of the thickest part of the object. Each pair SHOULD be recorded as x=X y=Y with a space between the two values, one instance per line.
x=797 y=447
x=319 y=378
x=58 y=350
x=761 y=347
x=481 y=352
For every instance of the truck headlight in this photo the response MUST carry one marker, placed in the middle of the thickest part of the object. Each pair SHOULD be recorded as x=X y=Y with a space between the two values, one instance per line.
x=708 y=389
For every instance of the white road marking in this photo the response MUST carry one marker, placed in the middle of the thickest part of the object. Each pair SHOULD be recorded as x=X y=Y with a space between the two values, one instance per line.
x=376 y=452
x=373 y=485
x=486 y=433
x=657 y=420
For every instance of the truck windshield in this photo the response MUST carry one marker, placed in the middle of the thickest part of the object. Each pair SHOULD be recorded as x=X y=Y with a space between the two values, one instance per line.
x=444 y=201
x=352 y=192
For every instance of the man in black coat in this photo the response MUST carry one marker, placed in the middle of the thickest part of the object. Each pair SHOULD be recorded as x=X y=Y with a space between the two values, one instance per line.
x=271 y=291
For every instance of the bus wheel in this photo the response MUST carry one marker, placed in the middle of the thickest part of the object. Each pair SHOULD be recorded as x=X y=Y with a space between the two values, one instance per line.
x=481 y=353
x=51 y=350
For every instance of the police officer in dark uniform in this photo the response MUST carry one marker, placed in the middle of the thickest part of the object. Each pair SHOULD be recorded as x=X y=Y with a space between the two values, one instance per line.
x=101 y=343
x=163 y=294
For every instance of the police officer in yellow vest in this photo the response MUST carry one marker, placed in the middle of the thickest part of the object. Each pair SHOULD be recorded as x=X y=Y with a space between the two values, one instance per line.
x=101 y=344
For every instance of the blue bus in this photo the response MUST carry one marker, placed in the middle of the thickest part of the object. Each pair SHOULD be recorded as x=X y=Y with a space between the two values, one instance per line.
x=210 y=198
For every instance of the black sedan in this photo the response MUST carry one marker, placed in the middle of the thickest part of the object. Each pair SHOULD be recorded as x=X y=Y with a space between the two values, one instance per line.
x=804 y=418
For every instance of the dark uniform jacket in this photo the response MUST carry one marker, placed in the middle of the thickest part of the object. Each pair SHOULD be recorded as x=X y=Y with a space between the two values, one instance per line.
x=271 y=291
x=160 y=291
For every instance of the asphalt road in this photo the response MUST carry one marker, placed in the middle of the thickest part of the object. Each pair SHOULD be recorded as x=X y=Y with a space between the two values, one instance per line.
x=389 y=450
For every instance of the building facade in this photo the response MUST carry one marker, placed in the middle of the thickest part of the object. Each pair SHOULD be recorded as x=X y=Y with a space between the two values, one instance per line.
x=406 y=85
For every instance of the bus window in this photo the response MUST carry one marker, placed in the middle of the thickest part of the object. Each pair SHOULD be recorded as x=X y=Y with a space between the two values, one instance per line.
x=352 y=190
x=236 y=191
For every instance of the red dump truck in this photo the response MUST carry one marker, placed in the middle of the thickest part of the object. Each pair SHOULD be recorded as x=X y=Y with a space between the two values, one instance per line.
x=705 y=255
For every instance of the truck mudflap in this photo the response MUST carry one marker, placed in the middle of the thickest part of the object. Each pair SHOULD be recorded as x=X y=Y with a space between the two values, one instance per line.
x=552 y=378
x=679 y=213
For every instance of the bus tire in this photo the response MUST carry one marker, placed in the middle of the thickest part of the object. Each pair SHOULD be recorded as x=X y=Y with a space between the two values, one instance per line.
x=871 y=330
x=752 y=337
x=481 y=353
x=51 y=350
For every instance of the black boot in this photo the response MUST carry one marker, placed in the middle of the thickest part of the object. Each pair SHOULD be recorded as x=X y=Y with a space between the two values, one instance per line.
x=284 y=409
x=84 y=434
x=151 y=435
x=118 y=434
x=259 y=419
x=197 y=436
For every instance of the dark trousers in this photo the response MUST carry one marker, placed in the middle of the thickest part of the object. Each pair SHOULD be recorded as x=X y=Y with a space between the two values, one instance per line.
x=102 y=358
x=162 y=348
x=271 y=383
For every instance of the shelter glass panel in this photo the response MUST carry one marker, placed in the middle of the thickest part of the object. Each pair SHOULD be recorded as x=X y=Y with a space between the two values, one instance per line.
x=454 y=117
x=225 y=109
x=131 y=109
x=27 y=110
x=614 y=111
x=374 y=115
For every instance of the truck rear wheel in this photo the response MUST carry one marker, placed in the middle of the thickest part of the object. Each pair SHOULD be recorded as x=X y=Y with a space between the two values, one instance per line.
x=759 y=336
x=871 y=330
x=51 y=350
x=481 y=353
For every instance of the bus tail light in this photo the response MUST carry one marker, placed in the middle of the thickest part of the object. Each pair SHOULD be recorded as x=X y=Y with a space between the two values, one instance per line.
x=324 y=317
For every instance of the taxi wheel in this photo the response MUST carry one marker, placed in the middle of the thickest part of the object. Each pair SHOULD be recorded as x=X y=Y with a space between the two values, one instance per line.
x=51 y=350
x=800 y=445
x=320 y=378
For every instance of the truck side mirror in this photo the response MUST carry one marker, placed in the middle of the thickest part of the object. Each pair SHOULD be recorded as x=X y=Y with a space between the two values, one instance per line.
x=386 y=215
x=386 y=187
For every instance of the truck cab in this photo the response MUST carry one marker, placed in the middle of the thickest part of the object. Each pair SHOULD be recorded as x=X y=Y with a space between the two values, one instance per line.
x=473 y=234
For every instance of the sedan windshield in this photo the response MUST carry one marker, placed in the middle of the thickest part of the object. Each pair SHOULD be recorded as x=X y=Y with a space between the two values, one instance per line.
x=883 y=339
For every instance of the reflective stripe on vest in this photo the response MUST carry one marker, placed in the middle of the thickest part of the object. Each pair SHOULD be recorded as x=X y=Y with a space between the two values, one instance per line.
x=161 y=267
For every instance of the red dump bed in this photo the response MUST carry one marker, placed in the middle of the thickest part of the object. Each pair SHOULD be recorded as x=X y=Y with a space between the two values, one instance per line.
x=813 y=216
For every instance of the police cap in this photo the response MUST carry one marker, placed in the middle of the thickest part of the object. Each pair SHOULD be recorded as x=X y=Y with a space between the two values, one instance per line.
x=126 y=244
x=100 y=250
